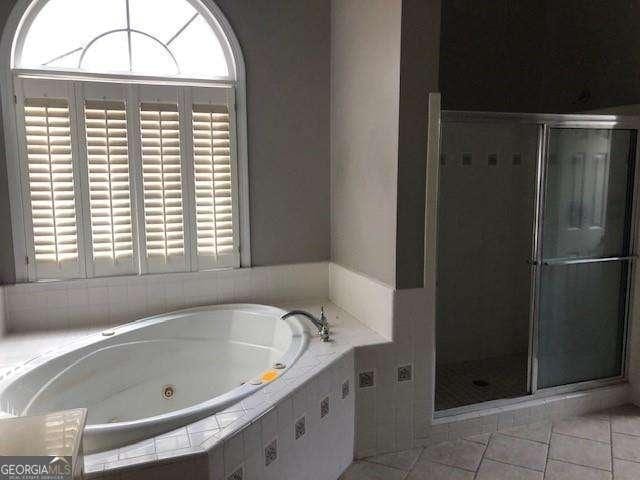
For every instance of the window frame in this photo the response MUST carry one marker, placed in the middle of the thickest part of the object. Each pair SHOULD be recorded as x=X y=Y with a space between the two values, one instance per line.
x=14 y=30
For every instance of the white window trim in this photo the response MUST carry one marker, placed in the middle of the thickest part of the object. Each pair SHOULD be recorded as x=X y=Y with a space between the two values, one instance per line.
x=16 y=22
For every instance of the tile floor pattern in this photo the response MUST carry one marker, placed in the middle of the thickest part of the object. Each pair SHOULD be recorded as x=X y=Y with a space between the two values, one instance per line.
x=598 y=446
x=505 y=377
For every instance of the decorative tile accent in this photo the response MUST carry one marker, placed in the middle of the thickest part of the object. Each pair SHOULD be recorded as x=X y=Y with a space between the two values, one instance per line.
x=237 y=475
x=366 y=379
x=345 y=389
x=324 y=407
x=517 y=159
x=405 y=373
x=466 y=159
x=443 y=159
x=492 y=160
x=271 y=452
x=300 y=427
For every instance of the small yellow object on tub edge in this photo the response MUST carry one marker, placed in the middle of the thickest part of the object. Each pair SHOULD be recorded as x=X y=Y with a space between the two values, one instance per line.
x=269 y=376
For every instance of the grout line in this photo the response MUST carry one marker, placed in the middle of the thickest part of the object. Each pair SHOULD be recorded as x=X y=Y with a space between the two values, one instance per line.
x=514 y=465
x=526 y=439
x=580 y=465
x=474 y=441
x=415 y=462
x=624 y=433
x=611 y=442
x=546 y=460
x=368 y=460
x=418 y=458
x=580 y=438
x=364 y=460
x=475 y=475
x=454 y=466
x=626 y=460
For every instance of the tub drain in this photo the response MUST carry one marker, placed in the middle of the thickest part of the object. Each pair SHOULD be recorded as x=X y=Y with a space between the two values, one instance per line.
x=168 y=391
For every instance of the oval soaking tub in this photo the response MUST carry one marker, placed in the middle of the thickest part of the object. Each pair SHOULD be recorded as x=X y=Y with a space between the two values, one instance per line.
x=159 y=373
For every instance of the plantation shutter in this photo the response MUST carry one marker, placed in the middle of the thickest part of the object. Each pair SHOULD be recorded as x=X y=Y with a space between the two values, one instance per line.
x=214 y=175
x=122 y=179
x=109 y=182
x=160 y=138
x=50 y=180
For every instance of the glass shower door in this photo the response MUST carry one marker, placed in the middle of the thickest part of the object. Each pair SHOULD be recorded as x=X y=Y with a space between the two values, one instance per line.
x=585 y=254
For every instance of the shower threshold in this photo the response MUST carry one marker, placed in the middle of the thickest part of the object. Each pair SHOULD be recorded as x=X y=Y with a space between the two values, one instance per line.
x=539 y=395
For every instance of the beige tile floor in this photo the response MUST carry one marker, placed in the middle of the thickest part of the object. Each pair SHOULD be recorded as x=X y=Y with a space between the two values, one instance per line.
x=599 y=446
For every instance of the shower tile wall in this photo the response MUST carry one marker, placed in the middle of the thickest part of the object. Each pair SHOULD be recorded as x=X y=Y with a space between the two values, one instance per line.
x=484 y=240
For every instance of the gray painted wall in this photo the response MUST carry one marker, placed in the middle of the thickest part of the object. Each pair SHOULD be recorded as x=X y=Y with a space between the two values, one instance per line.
x=286 y=45
x=365 y=76
x=7 y=267
x=418 y=77
x=543 y=56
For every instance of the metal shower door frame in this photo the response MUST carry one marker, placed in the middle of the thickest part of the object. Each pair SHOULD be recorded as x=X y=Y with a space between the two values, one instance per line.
x=538 y=263
x=545 y=123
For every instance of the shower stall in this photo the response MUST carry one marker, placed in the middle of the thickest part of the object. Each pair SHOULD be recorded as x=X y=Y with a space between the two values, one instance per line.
x=534 y=254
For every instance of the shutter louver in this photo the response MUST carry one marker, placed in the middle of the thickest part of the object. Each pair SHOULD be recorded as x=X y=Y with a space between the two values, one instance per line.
x=109 y=181
x=51 y=182
x=162 y=180
x=213 y=182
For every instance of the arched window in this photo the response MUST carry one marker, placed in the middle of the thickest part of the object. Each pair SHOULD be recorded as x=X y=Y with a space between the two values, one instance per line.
x=145 y=37
x=126 y=138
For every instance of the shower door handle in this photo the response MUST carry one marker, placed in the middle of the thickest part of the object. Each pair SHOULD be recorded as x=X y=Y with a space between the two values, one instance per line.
x=581 y=261
x=533 y=263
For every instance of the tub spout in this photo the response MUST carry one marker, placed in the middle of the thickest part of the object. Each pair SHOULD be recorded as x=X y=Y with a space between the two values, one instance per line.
x=321 y=323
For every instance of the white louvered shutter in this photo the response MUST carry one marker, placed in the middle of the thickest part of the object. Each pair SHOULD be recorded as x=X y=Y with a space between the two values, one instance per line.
x=214 y=178
x=50 y=182
x=162 y=186
x=109 y=187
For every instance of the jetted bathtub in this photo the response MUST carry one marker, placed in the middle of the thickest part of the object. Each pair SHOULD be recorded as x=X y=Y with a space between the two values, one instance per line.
x=159 y=373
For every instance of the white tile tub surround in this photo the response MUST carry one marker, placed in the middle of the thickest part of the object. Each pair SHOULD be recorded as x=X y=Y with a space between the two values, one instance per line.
x=115 y=300
x=218 y=445
x=237 y=437
x=365 y=298
x=388 y=412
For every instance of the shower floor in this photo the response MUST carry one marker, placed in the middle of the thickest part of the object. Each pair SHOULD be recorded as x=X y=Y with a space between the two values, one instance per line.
x=467 y=383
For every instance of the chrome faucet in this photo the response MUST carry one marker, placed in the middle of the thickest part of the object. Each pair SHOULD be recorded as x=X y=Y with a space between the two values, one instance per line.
x=321 y=323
